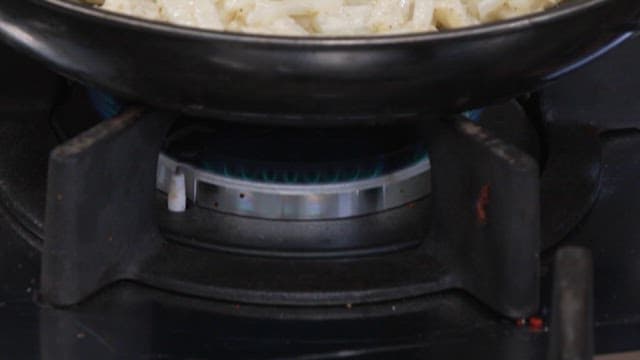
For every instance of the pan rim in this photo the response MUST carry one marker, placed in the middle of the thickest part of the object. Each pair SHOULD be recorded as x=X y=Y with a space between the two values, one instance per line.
x=557 y=13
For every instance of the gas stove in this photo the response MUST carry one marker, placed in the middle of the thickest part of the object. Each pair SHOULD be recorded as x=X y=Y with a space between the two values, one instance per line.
x=153 y=235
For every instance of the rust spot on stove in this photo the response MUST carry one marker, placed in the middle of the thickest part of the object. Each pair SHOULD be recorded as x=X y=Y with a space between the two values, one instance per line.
x=536 y=323
x=411 y=205
x=482 y=203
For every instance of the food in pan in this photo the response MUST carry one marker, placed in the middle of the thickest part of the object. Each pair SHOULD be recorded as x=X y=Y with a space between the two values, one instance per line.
x=326 y=17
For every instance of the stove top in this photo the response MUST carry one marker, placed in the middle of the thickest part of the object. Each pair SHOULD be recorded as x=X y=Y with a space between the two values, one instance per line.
x=588 y=127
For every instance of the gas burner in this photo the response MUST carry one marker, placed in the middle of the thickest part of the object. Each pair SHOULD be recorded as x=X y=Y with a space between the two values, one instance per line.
x=297 y=174
x=407 y=282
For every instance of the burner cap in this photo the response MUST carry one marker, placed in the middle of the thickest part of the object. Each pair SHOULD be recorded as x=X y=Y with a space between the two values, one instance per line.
x=297 y=174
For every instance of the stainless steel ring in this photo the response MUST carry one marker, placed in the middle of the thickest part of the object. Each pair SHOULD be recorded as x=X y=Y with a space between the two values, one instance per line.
x=298 y=202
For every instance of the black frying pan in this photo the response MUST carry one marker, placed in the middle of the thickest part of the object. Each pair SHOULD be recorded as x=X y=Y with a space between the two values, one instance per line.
x=313 y=81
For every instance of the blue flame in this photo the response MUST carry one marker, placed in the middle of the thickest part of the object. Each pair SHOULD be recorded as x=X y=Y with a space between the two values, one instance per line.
x=106 y=105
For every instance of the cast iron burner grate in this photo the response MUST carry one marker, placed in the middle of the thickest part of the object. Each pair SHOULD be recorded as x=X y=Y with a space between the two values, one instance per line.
x=478 y=231
x=483 y=234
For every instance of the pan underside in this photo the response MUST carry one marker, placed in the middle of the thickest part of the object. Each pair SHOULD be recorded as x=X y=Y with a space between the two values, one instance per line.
x=313 y=81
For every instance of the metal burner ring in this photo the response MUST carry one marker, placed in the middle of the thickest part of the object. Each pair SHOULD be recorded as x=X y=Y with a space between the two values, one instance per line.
x=298 y=202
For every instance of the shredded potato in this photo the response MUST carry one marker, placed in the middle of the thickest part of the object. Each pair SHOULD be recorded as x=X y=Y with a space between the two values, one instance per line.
x=327 y=17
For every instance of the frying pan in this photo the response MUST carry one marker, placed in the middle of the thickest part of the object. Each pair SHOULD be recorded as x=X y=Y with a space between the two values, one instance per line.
x=313 y=81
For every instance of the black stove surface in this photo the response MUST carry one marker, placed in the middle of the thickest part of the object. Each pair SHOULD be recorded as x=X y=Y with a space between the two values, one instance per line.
x=128 y=320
